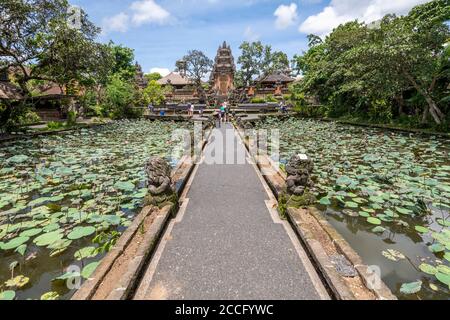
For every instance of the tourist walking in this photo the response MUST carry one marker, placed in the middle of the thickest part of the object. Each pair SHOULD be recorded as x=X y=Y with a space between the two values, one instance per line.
x=151 y=108
x=223 y=113
x=191 y=110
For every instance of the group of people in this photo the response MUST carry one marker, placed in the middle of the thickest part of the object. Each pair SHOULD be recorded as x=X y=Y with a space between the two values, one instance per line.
x=223 y=113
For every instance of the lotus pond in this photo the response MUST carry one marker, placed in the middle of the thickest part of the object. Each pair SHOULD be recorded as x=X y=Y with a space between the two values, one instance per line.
x=65 y=199
x=387 y=193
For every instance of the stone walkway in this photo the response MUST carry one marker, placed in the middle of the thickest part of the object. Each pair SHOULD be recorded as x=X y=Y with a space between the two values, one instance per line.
x=228 y=242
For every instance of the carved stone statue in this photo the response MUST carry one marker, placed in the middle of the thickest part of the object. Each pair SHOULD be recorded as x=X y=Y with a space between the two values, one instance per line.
x=159 y=183
x=298 y=182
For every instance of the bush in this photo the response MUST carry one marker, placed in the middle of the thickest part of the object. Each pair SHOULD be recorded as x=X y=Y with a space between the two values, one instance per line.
x=53 y=125
x=271 y=98
x=71 y=118
x=258 y=100
x=29 y=117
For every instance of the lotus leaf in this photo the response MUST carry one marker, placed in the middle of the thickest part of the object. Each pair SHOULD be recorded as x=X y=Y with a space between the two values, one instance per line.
x=84 y=253
x=411 y=288
x=89 y=269
x=80 y=232
x=374 y=221
x=393 y=255
x=47 y=239
x=14 y=243
x=17 y=282
x=7 y=295
x=50 y=296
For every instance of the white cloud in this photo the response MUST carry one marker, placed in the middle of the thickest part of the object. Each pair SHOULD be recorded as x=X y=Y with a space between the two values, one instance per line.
x=148 y=11
x=251 y=35
x=286 y=16
x=118 y=23
x=341 y=11
x=162 y=71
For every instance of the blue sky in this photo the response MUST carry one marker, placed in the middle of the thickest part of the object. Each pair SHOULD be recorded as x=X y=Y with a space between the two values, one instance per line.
x=162 y=31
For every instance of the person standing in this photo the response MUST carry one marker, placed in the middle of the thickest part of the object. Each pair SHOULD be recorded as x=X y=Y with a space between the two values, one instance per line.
x=222 y=112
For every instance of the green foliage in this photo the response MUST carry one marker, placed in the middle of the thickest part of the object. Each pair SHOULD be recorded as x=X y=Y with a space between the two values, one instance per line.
x=71 y=118
x=271 y=98
x=120 y=97
x=54 y=125
x=154 y=93
x=257 y=60
x=123 y=61
x=258 y=100
x=153 y=76
x=197 y=65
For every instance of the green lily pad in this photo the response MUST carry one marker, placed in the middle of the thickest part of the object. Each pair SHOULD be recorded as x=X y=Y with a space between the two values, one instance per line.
x=89 y=269
x=7 y=295
x=50 y=296
x=437 y=247
x=429 y=269
x=21 y=158
x=374 y=221
x=17 y=282
x=84 y=253
x=124 y=186
x=378 y=229
x=47 y=239
x=81 y=232
x=421 y=229
x=411 y=288
x=351 y=204
x=404 y=211
x=444 y=278
x=443 y=269
x=325 y=201
x=21 y=249
x=14 y=243
x=393 y=255
x=447 y=256
x=67 y=276
x=31 y=232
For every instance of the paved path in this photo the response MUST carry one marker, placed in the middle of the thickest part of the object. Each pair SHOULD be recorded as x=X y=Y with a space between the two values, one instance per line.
x=228 y=244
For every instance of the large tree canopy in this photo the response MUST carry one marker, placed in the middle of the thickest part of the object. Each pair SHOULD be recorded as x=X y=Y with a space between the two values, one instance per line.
x=361 y=69
x=197 y=65
x=38 y=43
x=257 y=60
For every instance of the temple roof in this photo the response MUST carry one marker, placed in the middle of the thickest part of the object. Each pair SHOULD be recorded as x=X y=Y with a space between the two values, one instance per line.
x=9 y=91
x=275 y=77
x=175 y=79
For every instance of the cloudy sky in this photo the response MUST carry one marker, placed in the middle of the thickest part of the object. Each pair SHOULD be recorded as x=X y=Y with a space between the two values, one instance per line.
x=162 y=31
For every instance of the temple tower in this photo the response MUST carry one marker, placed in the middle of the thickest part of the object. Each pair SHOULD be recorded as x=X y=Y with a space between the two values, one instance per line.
x=222 y=76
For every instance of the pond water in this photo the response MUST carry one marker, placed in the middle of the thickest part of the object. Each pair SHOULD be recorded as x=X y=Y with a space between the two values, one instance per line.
x=65 y=199
x=387 y=193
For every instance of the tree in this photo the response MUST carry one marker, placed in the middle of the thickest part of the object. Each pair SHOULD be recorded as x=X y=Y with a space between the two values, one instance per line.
x=257 y=60
x=197 y=65
x=251 y=61
x=153 y=76
x=370 y=71
x=120 y=96
x=38 y=44
x=153 y=93
x=123 y=61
